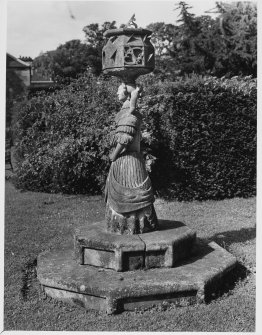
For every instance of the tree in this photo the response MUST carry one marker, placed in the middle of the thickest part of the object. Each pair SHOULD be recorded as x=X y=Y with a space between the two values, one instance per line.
x=162 y=37
x=192 y=41
x=163 y=40
x=238 y=26
x=67 y=61
x=226 y=45
x=74 y=57
x=94 y=38
x=42 y=66
x=94 y=33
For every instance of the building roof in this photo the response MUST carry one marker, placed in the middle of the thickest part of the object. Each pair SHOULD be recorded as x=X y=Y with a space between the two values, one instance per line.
x=13 y=62
x=35 y=80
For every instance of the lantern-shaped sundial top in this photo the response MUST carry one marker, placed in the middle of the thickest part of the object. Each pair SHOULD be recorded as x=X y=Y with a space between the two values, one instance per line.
x=128 y=52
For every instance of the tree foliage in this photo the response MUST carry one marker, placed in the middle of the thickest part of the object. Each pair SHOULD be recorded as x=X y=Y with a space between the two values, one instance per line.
x=163 y=41
x=94 y=33
x=200 y=44
x=67 y=61
x=238 y=25
x=73 y=57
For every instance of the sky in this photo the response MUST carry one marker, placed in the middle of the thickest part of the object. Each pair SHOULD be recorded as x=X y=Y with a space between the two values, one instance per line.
x=39 y=26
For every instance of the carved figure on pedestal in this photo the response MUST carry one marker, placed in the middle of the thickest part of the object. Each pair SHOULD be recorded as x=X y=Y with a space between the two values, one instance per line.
x=129 y=195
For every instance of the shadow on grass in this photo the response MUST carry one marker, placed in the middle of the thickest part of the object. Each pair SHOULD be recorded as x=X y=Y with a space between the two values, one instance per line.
x=239 y=273
x=169 y=224
x=28 y=275
x=225 y=239
x=225 y=284
x=225 y=287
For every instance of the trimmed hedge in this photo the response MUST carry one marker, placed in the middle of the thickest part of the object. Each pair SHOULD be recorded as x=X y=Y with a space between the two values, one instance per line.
x=202 y=131
x=63 y=138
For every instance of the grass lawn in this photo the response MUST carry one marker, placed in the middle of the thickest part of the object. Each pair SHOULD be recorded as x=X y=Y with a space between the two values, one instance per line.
x=35 y=222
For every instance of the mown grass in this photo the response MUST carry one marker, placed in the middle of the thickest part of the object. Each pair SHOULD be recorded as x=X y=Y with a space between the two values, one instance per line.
x=37 y=221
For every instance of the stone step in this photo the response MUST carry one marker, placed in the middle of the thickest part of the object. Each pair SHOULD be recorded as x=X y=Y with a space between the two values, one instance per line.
x=162 y=248
x=107 y=290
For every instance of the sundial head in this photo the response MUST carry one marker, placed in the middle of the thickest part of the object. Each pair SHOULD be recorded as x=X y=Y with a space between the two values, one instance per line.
x=128 y=52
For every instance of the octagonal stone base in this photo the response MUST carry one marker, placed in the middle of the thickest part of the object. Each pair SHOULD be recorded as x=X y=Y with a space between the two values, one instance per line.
x=104 y=289
x=94 y=245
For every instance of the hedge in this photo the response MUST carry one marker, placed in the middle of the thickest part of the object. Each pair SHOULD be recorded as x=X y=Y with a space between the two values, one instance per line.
x=201 y=131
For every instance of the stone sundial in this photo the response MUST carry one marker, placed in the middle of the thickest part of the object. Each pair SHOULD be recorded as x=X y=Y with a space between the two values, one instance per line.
x=132 y=259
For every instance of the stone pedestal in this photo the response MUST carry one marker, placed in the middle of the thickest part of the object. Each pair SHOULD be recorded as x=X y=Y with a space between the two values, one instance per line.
x=107 y=290
x=112 y=273
x=94 y=245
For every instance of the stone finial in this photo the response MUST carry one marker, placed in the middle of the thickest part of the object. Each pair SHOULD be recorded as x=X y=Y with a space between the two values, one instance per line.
x=131 y=22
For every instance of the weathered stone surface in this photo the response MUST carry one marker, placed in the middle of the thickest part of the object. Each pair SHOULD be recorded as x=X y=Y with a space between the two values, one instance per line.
x=105 y=289
x=128 y=193
x=128 y=53
x=171 y=243
x=94 y=245
x=76 y=298
x=131 y=223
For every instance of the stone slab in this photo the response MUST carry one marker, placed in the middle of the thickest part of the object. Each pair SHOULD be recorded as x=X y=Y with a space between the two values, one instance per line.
x=105 y=289
x=95 y=246
x=172 y=242
x=76 y=298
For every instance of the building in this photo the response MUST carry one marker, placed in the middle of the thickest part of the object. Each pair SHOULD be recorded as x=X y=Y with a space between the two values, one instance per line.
x=20 y=68
x=23 y=72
